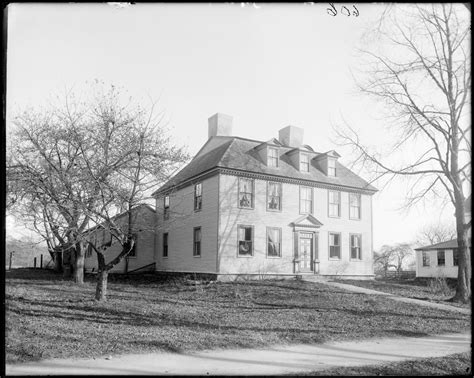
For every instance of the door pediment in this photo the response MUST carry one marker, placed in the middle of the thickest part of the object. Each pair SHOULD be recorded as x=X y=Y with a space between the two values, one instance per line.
x=305 y=222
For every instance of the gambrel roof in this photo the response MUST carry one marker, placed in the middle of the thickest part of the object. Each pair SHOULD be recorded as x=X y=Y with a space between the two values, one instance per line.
x=239 y=154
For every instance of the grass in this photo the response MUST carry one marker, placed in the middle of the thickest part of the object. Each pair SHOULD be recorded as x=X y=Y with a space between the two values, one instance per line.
x=431 y=290
x=48 y=317
x=452 y=365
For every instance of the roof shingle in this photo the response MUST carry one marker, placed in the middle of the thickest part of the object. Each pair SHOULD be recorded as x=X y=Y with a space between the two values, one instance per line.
x=240 y=154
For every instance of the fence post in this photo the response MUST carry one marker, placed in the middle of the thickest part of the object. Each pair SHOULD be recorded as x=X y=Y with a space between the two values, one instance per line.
x=34 y=263
x=11 y=257
x=41 y=261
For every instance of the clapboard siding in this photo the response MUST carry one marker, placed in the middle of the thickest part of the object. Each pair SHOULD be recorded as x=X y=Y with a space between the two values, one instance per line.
x=231 y=216
x=145 y=247
x=183 y=219
x=449 y=270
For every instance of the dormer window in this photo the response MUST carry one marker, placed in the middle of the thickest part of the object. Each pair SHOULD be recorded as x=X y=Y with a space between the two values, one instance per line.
x=304 y=162
x=272 y=157
x=332 y=167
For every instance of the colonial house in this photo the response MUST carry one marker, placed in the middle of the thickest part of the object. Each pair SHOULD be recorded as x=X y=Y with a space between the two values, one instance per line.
x=441 y=259
x=276 y=207
x=142 y=257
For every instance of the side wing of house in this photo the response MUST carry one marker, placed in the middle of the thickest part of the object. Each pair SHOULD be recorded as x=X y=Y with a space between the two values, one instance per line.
x=436 y=263
x=186 y=233
x=140 y=257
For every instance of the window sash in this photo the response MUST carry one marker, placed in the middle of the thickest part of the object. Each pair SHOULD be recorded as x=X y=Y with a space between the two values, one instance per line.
x=331 y=167
x=165 y=245
x=245 y=193
x=166 y=207
x=356 y=247
x=274 y=196
x=334 y=204
x=304 y=162
x=426 y=259
x=198 y=196
x=272 y=159
x=306 y=200
x=245 y=241
x=273 y=242
x=354 y=206
x=197 y=242
x=441 y=257
x=334 y=246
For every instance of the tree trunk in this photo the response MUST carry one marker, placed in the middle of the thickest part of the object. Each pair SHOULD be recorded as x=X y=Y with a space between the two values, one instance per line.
x=79 y=264
x=463 y=287
x=101 y=288
x=58 y=261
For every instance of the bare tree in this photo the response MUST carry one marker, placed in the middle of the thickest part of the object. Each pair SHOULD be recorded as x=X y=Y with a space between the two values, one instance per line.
x=46 y=182
x=81 y=163
x=424 y=78
x=393 y=256
x=131 y=157
x=436 y=233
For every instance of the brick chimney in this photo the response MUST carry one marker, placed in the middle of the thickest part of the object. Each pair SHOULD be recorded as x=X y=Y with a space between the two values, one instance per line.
x=220 y=125
x=291 y=136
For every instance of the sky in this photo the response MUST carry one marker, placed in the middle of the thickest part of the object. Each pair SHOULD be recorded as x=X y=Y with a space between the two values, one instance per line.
x=266 y=65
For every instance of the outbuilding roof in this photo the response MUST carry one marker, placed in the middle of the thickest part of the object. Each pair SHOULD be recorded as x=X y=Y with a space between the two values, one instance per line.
x=450 y=244
x=240 y=154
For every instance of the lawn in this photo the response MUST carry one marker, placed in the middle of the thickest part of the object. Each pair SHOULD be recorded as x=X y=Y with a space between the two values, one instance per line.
x=436 y=290
x=47 y=317
x=452 y=365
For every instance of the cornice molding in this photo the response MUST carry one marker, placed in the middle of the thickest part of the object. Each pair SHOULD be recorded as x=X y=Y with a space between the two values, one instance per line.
x=290 y=180
x=260 y=176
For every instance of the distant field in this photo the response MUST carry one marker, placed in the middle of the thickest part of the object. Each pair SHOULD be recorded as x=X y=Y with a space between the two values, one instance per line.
x=48 y=317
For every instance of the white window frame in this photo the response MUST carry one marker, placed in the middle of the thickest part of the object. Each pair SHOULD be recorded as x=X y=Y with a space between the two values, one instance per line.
x=270 y=229
x=331 y=167
x=252 y=240
x=311 y=200
x=437 y=257
x=198 y=195
x=359 y=202
x=197 y=241
x=269 y=195
x=304 y=163
x=166 y=207
x=333 y=204
x=339 y=245
x=272 y=160
x=351 y=246
x=252 y=193
x=425 y=258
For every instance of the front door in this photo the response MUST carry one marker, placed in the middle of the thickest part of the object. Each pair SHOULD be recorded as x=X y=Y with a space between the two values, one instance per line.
x=306 y=252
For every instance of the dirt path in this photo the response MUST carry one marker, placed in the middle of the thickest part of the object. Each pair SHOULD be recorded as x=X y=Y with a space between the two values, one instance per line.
x=420 y=302
x=275 y=360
